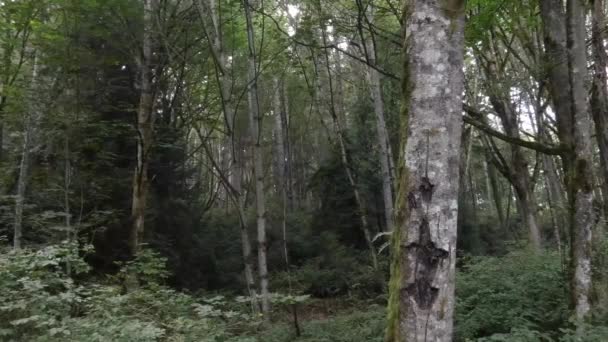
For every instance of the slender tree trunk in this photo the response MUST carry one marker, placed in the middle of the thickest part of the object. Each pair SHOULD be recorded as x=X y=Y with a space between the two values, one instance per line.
x=291 y=198
x=1 y=135
x=384 y=145
x=421 y=303
x=145 y=126
x=281 y=164
x=494 y=192
x=344 y=155
x=67 y=180
x=31 y=121
x=599 y=92
x=258 y=169
x=517 y=171
x=235 y=175
x=581 y=184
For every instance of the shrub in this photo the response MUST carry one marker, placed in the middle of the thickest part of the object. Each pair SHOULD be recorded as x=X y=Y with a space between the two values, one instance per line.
x=41 y=302
x=361 y=326
x=519 y=291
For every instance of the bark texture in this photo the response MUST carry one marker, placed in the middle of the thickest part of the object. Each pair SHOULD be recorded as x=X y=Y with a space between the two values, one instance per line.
x=565 y=53
x=429 y=171
x=581 y=184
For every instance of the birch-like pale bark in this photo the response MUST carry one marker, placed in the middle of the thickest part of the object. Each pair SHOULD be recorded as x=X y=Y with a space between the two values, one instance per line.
x=386 y=155
x=145 y=127
x=581 y=184
x=423 y=277
x=258 y=169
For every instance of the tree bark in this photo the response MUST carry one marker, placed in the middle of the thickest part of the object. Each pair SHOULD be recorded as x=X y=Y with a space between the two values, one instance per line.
x=258 y=169
x=145 y=127
x=581 y=184
x=428 y=197
x=386 y=155
x=599 y=92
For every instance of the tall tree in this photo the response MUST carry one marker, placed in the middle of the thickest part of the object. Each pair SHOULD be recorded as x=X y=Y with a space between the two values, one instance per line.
x=424 y=242
x=564 y=38
x=581 y=184
x=375 y=86
x=255 y=128
x=210 y=14
x=31 y=121
x=599 y=91
x=145 y=129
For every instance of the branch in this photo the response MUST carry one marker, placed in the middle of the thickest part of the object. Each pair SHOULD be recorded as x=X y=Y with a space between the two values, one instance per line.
x=543 y=148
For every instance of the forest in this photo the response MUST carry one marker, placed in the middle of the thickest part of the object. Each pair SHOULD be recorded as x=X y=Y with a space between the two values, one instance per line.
x=303 y=170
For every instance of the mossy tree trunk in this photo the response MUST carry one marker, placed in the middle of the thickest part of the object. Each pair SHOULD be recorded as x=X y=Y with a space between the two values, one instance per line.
x=422 y=284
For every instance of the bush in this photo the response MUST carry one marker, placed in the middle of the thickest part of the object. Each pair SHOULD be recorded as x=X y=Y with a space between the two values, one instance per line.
x=520 y=291
x=336 y=272
x=41 y=302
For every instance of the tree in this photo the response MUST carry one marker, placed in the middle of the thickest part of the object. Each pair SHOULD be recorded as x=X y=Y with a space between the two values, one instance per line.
x=145 y=127
x=424 y=249
x=255 y=128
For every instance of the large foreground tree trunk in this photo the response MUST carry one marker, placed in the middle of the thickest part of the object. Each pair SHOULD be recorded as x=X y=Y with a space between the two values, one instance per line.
x=427 y=203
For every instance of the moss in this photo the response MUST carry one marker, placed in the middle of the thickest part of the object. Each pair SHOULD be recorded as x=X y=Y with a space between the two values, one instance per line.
x=401 y=211
x=453 y=8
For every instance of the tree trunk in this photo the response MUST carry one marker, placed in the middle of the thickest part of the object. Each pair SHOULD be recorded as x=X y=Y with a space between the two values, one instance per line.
x=31 y=121
x=581 y=184
x=258 y=170
x=517 y=171
x=282 y=180
x=599 y=93
x=235 y=172
x=344 y=155
x=384 y=145
x=428 y=197
x=145 y=126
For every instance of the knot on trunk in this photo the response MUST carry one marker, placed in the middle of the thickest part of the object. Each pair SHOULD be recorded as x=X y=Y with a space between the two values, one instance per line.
x=425 y=257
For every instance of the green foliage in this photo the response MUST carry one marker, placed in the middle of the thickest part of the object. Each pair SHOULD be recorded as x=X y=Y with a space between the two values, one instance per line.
x=361 y=326
x=521 y=290
x=335 y=271
x=40 y=302
x=36 y=290
x=149 y=267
